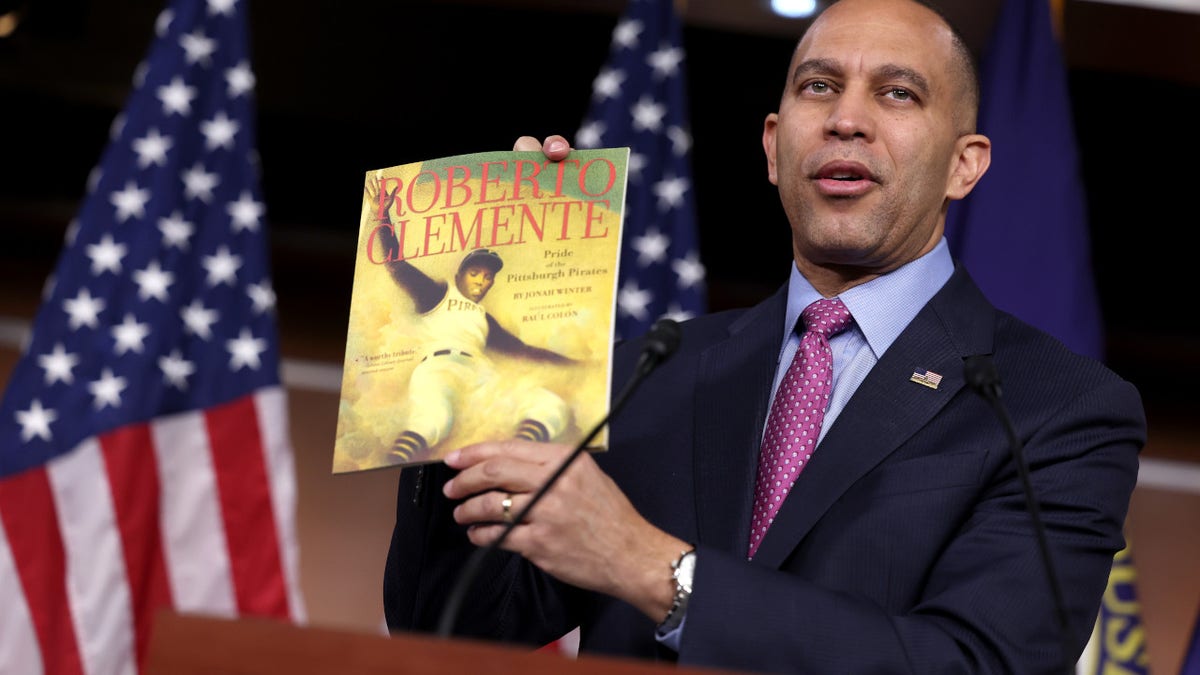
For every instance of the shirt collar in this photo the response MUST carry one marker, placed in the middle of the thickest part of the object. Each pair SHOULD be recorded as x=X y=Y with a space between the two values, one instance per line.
x=885 y=305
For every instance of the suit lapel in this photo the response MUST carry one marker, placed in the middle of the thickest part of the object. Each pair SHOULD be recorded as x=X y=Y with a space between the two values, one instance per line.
x=733 y=385
x=887 y=409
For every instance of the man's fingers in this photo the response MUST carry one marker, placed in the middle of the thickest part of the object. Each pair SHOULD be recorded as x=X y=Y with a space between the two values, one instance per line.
x=525 y=451
x=483 y=534
x=500 y=472
x=489 y=507
x=555 y=147
x=527 y=144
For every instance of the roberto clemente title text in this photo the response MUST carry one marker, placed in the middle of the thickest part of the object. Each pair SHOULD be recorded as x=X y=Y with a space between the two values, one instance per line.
x=449 y=209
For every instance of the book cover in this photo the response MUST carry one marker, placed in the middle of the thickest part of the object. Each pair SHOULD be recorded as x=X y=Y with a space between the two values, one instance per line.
x=482 y=305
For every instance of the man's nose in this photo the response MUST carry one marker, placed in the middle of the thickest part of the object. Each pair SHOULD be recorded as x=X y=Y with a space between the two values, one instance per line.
x=851 y=116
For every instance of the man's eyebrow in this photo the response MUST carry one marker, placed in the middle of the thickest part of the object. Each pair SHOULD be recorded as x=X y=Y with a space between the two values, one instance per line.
x=815 y=66
x=890 y=72
x=894 y=72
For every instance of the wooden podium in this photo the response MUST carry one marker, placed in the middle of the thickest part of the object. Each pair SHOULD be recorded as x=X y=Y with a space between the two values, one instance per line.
x=194 y=645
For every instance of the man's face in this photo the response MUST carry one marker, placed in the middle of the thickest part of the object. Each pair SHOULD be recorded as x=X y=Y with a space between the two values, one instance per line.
x=475 y=281
x=866 y=146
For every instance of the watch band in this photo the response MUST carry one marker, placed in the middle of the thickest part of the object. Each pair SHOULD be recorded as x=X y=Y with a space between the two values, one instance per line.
x=682 y=572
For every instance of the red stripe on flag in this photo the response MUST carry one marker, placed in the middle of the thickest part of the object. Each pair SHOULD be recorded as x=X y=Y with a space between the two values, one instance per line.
x=239 y=463
x=31 y=525
x=133 y=478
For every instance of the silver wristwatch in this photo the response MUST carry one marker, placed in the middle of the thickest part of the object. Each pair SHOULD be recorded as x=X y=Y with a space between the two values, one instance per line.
x=683 y=570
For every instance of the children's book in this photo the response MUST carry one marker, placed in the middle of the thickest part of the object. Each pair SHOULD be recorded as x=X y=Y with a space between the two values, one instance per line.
x=482 y=305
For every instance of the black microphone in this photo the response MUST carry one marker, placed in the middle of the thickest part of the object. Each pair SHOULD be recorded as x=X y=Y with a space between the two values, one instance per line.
x=660 y=342
x=981 y=375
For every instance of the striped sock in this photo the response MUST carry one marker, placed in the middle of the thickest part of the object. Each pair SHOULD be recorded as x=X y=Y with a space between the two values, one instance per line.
x=533 y=430
x=408 y=444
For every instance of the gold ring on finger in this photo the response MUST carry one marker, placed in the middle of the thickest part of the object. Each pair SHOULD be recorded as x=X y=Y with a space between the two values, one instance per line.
x=506 y=505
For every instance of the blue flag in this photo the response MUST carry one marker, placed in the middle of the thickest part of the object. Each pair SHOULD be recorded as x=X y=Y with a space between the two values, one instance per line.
x=144 y=453
x=1191 y=660
x=1118 y=643
x=1023 y=232
x=639 y=100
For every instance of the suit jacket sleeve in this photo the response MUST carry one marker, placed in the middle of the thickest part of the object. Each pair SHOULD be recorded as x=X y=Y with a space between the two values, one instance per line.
x=510 y=599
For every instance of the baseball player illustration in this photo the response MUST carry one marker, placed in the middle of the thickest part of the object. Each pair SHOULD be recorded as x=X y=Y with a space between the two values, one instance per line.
x=457 y=335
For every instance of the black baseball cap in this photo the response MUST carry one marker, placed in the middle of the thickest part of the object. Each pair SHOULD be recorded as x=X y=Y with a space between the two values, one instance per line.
x=482 y=257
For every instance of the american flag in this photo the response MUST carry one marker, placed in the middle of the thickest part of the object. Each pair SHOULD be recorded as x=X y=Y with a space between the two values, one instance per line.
x=639 y=100
x=926 y=377
x=144 y=455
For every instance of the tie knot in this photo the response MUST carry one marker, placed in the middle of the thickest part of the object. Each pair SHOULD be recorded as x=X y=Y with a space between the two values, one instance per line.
x=827 y=316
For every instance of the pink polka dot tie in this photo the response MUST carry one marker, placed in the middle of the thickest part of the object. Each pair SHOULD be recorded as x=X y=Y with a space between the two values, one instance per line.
x=794 y=423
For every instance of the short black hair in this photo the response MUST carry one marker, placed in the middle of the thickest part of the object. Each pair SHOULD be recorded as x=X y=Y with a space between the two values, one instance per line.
x=481 y=257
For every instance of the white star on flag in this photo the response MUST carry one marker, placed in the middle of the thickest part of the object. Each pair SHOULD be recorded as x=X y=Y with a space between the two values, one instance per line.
x=632 y=300
x=58 y=365
x=176 y=369
x=689 y=270
x=222 y=7
x=198 y=319
x=590 y=135
x=664 y=62
x=199 y=183
x=106 y=255
x=626 y=33
x=177 y=97
x=84 y=310
x=198 y=47
x=607 y=84
x=130 y=335
x=130 y=202
x=219 y=131
x=648 y=114
x=651 y=246
x=262 y=296
x=175 y=231
x=677 y=313
x=163 y=22
x=245 y=212
x=106 y=391
x=240 y=80
x=152 y=149
x=244 y=351
x=670 y=192
x=222 y=267
x=35 y=422
x=153 y=282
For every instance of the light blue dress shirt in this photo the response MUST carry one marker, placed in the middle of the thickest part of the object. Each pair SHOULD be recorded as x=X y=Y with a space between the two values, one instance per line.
x=881 y=308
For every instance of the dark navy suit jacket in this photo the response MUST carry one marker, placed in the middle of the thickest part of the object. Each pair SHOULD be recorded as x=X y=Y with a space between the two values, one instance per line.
x=905 y=545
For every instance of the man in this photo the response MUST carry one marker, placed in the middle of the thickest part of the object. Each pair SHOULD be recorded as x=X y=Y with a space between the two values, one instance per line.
x=453 y=364
x=905 y=545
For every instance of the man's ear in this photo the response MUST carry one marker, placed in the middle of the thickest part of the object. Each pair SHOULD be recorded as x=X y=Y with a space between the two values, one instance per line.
x=973 y=157
x=770 y=125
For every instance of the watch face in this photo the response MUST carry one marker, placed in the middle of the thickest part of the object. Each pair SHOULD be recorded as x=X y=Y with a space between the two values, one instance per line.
x=686 y=570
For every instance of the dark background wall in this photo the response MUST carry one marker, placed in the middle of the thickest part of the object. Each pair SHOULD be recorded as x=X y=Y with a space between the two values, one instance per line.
x=350 y=86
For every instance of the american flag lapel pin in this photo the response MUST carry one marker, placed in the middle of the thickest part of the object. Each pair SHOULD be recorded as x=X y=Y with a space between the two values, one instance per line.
x=926 y=377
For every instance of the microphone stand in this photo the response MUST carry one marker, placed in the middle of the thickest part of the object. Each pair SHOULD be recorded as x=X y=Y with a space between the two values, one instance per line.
x=662 y=340
x=981 y=375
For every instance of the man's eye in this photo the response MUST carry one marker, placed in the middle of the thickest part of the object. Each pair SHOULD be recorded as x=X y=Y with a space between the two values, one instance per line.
x=819 y=87
x=900 y=94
